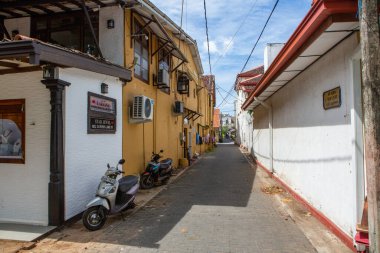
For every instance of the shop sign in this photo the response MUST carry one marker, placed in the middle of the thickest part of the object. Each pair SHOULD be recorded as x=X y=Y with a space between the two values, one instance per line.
x=101 y=104
x=332 y=98
x=102 y=124
x=101 y=118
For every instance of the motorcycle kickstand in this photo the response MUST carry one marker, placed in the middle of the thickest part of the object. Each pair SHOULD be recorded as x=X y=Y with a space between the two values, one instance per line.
x=122 y=216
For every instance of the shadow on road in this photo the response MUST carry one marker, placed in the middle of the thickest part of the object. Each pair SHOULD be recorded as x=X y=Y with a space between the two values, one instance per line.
x=221 y=178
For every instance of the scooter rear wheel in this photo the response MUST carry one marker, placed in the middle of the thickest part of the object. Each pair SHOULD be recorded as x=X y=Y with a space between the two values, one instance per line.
x=94 y=218
x=146 y=182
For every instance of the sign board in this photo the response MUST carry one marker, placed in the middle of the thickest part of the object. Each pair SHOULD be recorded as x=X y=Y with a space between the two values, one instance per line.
x=101 y=115
x=332 y=98
x=102 y=124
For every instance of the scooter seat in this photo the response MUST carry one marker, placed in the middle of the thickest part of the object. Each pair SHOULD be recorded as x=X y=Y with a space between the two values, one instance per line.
x=127 y=182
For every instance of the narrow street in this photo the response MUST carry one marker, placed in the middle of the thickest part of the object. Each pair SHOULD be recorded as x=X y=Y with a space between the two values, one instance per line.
x=216 y=206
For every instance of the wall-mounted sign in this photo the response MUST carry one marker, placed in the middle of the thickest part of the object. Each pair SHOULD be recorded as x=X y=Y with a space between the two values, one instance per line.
x=332 y=98
x=102 y=124
x=101 y=116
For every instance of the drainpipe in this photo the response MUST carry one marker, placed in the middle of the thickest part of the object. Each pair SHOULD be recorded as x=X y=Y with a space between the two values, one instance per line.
x=270 y=115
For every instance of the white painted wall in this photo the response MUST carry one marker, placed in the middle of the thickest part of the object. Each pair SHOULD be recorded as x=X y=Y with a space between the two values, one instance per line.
x=112 y=40
x=24 y=187
x=20 y=24
x=313 y=147
x=244 y=123
x=86 y=155
x=271 y=50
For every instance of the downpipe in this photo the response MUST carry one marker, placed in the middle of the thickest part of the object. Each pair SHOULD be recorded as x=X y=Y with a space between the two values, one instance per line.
x=270 y=120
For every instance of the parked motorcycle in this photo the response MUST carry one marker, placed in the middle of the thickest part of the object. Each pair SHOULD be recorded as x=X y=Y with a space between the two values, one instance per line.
x=156 y=171
x=113 y=196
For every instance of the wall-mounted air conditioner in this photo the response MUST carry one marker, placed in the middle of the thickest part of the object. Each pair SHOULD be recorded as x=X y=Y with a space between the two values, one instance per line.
x=142 y=109
x=163 y=79
x=178 y=107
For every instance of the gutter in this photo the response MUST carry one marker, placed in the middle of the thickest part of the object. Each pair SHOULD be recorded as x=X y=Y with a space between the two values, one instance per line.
x=315 y=22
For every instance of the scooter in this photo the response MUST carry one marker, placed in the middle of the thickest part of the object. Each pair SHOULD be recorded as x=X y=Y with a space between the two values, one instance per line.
x=113 y=196
x=156 y=171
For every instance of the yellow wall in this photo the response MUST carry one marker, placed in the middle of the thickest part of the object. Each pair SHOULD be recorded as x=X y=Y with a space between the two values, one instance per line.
x=140 y=140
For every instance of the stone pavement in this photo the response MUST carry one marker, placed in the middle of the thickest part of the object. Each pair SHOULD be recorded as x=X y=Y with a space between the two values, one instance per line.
x=216 y=206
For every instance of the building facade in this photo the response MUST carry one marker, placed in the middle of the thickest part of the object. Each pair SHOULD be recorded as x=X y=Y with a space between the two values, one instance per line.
x=307 y=117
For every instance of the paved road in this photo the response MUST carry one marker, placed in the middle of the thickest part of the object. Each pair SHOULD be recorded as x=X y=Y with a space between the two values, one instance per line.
x=217 y=206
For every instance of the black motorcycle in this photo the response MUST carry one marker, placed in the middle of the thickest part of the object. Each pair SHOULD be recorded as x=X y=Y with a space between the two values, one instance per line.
x=156 y=172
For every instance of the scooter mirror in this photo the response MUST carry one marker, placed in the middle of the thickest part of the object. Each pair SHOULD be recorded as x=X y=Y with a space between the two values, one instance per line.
x=108 y=165
x=161 y=150
x=122 y=161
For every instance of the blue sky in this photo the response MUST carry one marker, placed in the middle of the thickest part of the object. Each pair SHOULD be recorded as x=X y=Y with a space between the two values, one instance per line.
x=229 y=54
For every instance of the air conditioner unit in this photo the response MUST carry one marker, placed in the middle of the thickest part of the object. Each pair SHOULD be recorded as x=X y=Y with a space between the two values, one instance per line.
x=178 y=107
x=142 y=109
x=163 y=79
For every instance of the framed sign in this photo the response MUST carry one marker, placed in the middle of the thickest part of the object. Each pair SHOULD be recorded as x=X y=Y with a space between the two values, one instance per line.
x=101 y=115
x=332 y=98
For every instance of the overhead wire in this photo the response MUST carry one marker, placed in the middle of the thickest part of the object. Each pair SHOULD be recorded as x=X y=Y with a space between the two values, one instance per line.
x=237 y=31
x=258 y=39
x=208 y=41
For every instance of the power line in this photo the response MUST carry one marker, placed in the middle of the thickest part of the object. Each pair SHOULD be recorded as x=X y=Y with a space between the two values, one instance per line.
x=262 y=31
x=258 y=39
x=208 y=42
x=238 y=30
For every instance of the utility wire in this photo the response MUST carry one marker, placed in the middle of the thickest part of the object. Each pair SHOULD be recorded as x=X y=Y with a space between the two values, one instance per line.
x=237 y=31
x=208 y=42
x=258 y=39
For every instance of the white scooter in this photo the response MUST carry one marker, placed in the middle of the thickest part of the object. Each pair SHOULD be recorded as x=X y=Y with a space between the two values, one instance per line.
x=113 y=196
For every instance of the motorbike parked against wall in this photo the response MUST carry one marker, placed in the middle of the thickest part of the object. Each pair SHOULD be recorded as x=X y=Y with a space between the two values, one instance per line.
x=114 y=195
x=156 y=171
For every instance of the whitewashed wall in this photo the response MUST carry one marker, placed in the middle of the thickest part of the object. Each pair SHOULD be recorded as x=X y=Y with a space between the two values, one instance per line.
x=86 y=155
x=112 y=40
x=313 y=146
x=244 y=124
x=20 y=24
x=24 y=187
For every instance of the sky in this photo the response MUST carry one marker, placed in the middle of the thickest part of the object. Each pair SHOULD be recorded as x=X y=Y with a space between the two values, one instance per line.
x=233 y=27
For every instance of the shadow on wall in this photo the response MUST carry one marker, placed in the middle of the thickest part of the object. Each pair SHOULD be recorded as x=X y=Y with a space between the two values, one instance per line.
x=223 y=178
x=306 y=161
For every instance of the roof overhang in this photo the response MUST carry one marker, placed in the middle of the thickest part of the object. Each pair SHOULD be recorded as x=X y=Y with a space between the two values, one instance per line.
x=327 y=24
x=25 y=8
x=37 y=53
x=147 y=8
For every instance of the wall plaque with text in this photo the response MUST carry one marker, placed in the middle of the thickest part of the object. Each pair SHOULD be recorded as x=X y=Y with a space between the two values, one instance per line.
x=332 y=98
x=101 y=118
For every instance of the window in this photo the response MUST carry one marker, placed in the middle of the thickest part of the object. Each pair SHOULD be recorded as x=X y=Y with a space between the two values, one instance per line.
x=68 y=30
x=12 y=131
x=141 y=50
x=164 y=63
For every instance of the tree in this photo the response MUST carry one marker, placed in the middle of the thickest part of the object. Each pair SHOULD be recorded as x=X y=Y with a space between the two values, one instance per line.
x=369 y=33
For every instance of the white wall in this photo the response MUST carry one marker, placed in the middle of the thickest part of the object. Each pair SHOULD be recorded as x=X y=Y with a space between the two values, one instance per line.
x=244 y=124
x=86 y=155
x=112 y=40
x=24 y=187
x=20 y=24
x=313 y=146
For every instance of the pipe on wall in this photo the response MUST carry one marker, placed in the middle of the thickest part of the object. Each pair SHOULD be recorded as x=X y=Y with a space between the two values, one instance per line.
x=270 y=120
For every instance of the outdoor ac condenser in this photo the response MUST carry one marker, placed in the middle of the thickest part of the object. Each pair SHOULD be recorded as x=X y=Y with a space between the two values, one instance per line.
x=142 y=108
x=163 y=79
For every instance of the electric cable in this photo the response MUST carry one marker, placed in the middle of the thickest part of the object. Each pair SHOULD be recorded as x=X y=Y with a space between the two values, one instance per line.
x=258 y=39
x=208 y=42
x=237 y=31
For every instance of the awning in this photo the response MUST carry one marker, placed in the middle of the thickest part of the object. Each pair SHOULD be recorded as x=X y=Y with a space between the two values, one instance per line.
x=166 y=41
x=326 y=25
x=190 y=114
x=24 y=8
x=27 y=55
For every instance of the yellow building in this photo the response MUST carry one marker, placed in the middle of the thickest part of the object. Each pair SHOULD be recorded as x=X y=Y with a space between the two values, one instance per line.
x=166 y=105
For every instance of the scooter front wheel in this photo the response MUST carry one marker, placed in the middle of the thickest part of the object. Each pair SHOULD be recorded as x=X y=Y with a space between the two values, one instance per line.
x=94 y=218
x=146 y=182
